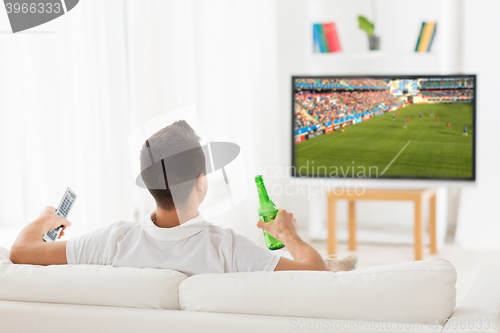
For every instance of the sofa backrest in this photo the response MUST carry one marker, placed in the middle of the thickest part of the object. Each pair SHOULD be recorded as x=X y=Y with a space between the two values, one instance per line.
x=90 y=285
x=420 y=291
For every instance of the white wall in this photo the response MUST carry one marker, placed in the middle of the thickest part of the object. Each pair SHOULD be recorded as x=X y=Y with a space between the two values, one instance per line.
x=479 y=222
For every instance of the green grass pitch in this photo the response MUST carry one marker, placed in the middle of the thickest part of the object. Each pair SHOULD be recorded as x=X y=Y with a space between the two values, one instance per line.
x=382 y=146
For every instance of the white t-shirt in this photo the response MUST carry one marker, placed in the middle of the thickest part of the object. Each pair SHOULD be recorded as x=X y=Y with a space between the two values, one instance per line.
x=194 y=247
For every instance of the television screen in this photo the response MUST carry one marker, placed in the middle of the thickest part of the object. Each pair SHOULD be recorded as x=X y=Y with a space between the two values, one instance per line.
x=419 y=127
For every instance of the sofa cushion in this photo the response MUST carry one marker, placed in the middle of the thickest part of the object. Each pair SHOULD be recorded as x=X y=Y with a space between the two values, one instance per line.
x=90 y=285
x=411 y=292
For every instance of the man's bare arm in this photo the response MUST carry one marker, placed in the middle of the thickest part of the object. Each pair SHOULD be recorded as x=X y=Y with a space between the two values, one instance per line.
x=284 y=228
x=29 y=247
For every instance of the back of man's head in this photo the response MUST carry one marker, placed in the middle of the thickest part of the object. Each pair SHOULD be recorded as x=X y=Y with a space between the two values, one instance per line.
x=171 y=162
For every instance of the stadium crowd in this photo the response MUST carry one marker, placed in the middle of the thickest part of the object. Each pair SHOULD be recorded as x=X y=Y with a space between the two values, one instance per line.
x=447 y=93
x=327 y=107
x=440 y=84
x=301 y=121
x=344 y=83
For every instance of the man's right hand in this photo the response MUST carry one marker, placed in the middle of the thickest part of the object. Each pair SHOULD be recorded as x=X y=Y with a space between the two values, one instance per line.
x=282 y=227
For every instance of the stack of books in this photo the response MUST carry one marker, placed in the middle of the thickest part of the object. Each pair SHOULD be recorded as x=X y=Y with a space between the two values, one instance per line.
x=426 y=37
x=326 y=38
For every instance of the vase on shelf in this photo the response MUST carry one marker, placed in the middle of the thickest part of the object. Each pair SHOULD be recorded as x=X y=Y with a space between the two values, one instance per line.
x=374 y=42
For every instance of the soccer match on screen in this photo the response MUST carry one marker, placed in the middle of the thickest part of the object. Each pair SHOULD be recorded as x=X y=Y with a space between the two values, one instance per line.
x=384 y=127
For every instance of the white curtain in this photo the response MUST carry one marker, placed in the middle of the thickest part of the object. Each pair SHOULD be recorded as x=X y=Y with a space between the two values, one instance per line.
x=71 y=94
x=65 y=116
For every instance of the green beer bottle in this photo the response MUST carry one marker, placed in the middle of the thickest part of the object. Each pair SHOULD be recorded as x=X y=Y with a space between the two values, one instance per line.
x=267 y=213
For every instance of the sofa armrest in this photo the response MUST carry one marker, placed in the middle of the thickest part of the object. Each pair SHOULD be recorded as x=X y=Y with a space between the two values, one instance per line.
x=479 y=310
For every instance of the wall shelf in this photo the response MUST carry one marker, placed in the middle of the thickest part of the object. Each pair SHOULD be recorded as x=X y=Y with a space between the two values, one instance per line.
x=373 y=63
x=376 y=55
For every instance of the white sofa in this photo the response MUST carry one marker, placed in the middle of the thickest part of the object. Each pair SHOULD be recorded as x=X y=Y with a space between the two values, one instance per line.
x=410 y=297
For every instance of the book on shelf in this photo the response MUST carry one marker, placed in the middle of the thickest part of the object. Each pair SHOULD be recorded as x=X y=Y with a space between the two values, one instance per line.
x=426 y=37
x=325 y=38
x=332 y=38
x=317 y=43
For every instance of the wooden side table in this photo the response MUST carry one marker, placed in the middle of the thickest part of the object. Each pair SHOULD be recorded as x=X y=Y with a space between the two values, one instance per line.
x=417 y=196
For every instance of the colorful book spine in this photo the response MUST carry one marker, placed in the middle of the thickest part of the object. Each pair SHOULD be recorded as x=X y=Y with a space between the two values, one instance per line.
x=325 y=38
x=432 y=38
x=426 y=37
x=317 y=47
x=322 y=39
x=420 y=36
x=332 y=37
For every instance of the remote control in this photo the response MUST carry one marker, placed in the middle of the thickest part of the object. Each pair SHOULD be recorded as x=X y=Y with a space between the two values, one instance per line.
x=62 y=211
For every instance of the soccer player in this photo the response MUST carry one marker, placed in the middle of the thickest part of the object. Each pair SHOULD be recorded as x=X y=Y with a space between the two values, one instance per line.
x=431 y=113
x=420 y=115
x=448 y=125
x=397 y=113
x=465 y=131
x=393 y=116
x=405 y=124
x=343 y=127
x=408 y=118
x=437 y=118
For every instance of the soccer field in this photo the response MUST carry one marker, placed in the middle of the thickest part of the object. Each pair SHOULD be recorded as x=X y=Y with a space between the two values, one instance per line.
x=382 y=147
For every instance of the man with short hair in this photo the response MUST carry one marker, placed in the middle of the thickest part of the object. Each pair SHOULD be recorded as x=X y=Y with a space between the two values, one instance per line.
x=174 y=236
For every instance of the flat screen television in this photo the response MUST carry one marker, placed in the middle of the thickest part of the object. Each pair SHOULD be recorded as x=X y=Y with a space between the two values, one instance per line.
x=399 y=127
